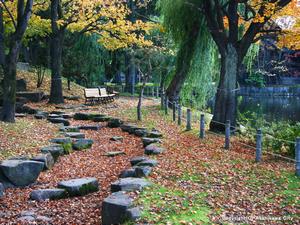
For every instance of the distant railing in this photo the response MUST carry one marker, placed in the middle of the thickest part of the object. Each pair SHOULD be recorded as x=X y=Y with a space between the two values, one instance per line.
x=186 y=116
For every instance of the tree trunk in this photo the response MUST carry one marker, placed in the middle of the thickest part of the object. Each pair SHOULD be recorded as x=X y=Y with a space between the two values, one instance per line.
x=9 y=89
x=225 y=105
x=130 y=75
x=183 y=62
x=56 y=92
x=139 y=106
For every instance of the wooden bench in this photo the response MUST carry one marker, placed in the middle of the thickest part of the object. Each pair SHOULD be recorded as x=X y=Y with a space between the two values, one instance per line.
x=92 y=95
x=105 y=97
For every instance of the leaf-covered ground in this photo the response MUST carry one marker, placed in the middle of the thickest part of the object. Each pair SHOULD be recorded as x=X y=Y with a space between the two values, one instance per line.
x=197 y=181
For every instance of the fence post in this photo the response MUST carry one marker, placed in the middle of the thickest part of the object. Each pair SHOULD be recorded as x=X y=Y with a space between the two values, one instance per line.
x=166 y=104
x=174 y=111
x=227 y=134
x=258 y=145
x=188 y=119
x=202 y=126
x=297 y=157
x=179 y=114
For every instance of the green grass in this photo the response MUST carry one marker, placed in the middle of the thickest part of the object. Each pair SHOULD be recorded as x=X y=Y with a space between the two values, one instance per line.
x=162 y=206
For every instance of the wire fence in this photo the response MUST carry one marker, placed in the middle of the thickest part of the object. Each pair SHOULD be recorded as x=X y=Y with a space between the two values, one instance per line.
x=181 y=114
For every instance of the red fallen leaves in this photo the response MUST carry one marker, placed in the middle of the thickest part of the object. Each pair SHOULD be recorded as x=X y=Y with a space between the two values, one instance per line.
x=89 y=163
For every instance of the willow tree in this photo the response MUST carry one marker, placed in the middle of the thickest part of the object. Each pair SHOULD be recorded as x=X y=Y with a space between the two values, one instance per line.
x=16 y=14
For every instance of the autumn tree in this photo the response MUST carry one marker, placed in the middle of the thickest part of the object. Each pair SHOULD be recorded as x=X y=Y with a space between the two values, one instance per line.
x=17 y=15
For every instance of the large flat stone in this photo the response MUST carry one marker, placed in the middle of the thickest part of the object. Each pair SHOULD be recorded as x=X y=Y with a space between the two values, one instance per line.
x=65 y=122
x=44 y=194
x=149 y=162
x=90 y=127
x=47 y=159
x=54 y=150
x=142 y=171
x=21 y=172
x=114 y=208
x=137 y=160
x=114 y=123
x=69 y=129
x=153 y=149
x=154 y=134
x=80 y=187
x=149 y=141
x=75 y=135
x=61 y=141
x=81 y=144
x=129 y=184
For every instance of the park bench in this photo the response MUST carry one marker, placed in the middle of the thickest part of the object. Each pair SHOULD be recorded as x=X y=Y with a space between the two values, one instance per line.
x=92 y=95
x=105 y=97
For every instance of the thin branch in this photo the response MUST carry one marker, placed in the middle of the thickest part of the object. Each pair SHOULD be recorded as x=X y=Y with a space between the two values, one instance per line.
x=10 y=14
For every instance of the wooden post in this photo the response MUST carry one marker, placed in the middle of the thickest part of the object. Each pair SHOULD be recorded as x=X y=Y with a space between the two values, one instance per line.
x=202 y=126
x=188 y=119
x=179 y=115
x=227 y=134
x=297 y=157
x=258 y=145
x=174 y=111
x=166 y=104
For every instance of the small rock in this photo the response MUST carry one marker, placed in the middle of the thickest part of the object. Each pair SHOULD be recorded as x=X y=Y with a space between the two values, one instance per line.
x=44 y=194
x=90 y=127
x=62 y=141
x=129 y=184
x=127 y=173
x=47 y=159
x=75 y=135
x=28 y=213
x=153 y=150
x=133 y=214
x=141 y=132
x=113 y=154
x=149 y=141
x=27 y=219
x=1 y=190
x=154 y=134
x=54 y=150
x=149 y=162
x=80 y=187
x=117 y=138
x=142 y=171
x=114 y=208
x=137 y=160
x=114 y=123
x=81 y=144
x=21 y=172
x=69 y=129
x=59 y=120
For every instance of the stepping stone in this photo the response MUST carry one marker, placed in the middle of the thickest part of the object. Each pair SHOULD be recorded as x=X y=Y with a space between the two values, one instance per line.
x=130 y=128
x=67 y=116
x=75 y=135
x=1 y=190
x=149 y=141
x=79 y=187
x=142 y=171
x=69 y=129
x=117 y=138
x=54 y=116
x=129 y=184
x=21 y=157
x=133 y=214
x=102 y=118
x=54 y=150
x=114 y=123
x=153 y=150
x=114 y=208
x=21 y=172
x=154 y=134
x=44 y=219
x=26 y=219
x=82 y=116
x=20 y=115
x=47 y=159
x=59 y=120
x=137 y=160
x=149 y=162
x=57 y=112
x=40 y=116
x=141 y=132
x=90 y=127
x=44 y=194
x=127 y=173
x=61 y=141
x=113 y=154
x=81 y=144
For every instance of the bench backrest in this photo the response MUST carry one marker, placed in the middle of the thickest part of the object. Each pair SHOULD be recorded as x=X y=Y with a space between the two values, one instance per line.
x=103 y=92
x=91 y=92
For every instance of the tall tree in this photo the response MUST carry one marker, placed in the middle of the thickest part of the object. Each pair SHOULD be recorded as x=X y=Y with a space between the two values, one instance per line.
x=22 y=10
